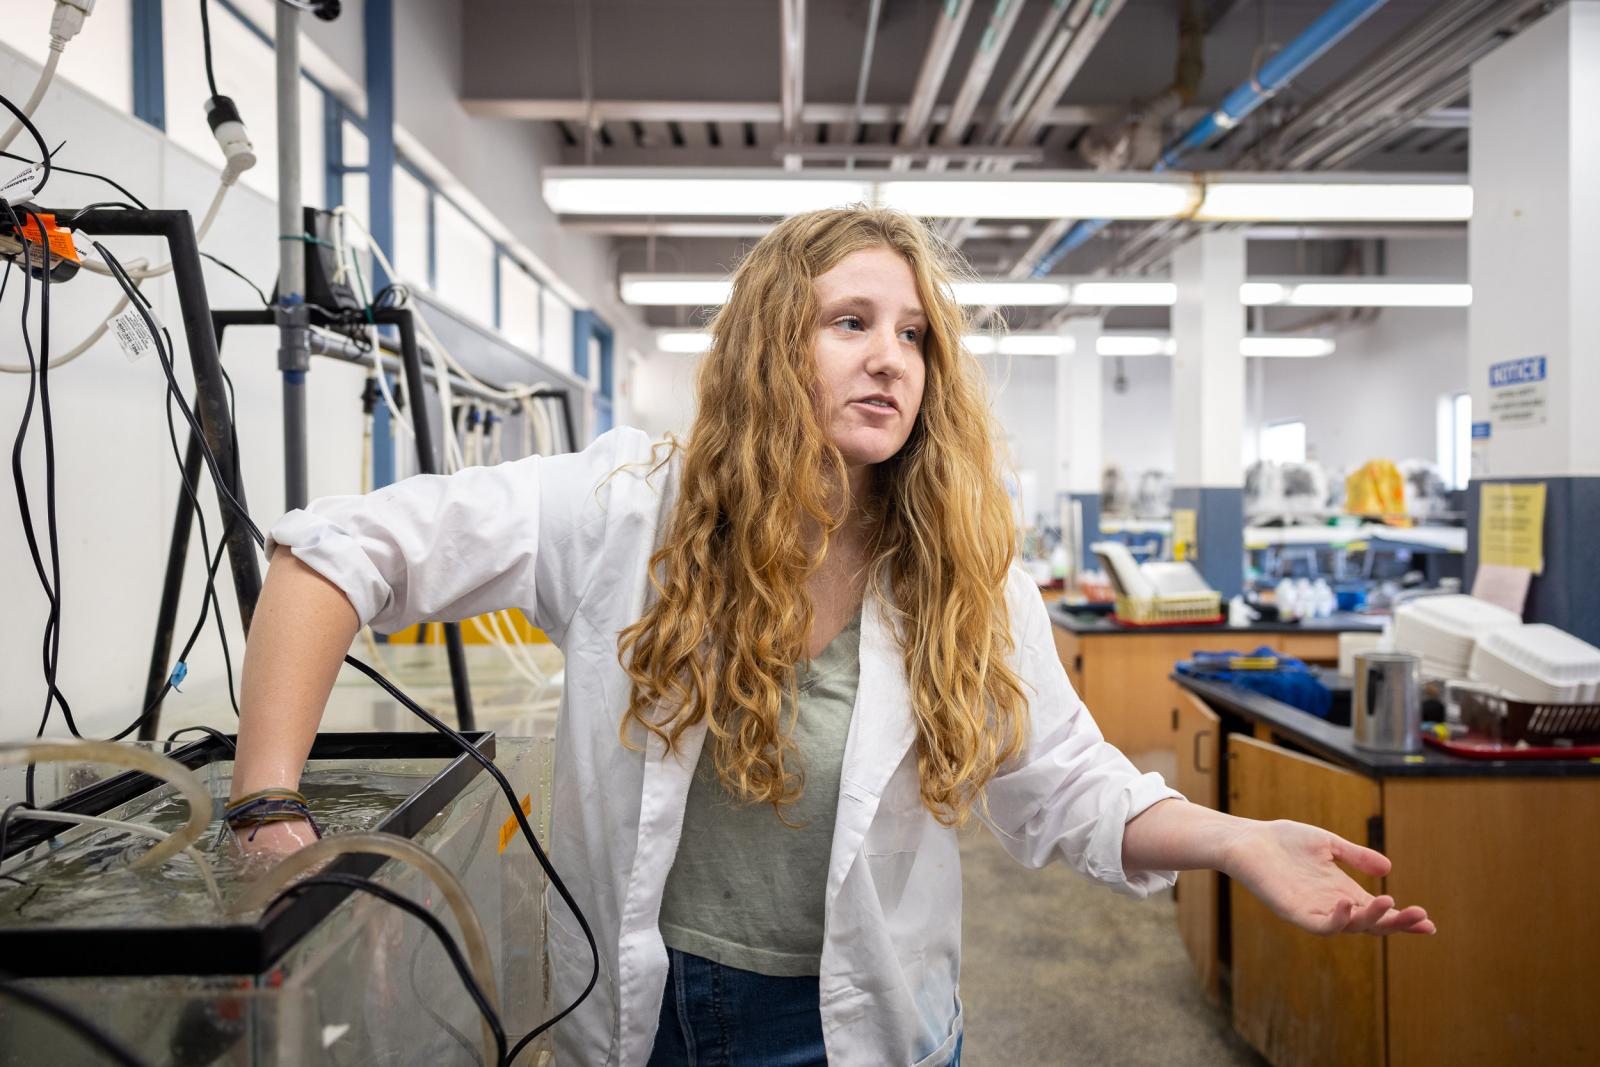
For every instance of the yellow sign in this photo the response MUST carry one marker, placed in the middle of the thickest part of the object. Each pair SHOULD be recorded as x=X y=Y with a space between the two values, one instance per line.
x=509 y=830
x=1511 y=525
x=1184 y=534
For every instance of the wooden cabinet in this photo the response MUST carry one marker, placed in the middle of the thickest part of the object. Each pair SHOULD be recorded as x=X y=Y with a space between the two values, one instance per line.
x=1198 y=741
x=1302 y=999
x=1322 y=648
x=1507 y=868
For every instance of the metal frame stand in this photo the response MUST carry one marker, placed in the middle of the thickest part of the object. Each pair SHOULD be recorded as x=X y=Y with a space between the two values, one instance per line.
x=211 y=406
x=294 y=444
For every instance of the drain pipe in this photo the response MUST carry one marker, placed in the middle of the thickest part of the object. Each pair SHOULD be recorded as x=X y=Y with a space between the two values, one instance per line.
x=1328 y=30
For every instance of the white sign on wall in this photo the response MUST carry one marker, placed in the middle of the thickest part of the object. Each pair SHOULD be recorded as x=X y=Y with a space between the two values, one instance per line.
x=1519 y=392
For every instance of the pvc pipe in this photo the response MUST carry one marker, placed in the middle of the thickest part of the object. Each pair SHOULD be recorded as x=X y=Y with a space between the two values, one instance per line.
x=1328 y=30
x=170 y=771
x=293 y=866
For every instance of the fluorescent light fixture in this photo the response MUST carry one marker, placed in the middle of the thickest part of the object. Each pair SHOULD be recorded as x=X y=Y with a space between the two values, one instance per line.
x=1381 y=294
x=1066 y=197
x=685 y=341
x=1286 y=346
x=1019 y=344
x=577 y=192
x=1364 y=201
x=704 y=290
x=1123 y=344
x=1125 y=294
x=669 y=192
x=1129 y=344
x=1011 y=294
x=1260 y=294
x=673 y=290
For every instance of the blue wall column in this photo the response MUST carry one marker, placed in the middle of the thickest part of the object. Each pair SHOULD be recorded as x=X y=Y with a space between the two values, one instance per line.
x=378 y=34
x=1533 y=365
x=1208 y=402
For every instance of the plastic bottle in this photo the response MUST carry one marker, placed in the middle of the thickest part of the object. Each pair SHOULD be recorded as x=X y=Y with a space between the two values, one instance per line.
x=1285 y=598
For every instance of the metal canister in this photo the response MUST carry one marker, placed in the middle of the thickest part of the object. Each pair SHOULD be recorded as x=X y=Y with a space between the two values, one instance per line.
x=1386 y=715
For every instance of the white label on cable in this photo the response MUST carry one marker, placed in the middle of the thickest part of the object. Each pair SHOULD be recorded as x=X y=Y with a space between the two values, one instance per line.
x=19 y=190
x=132 y=335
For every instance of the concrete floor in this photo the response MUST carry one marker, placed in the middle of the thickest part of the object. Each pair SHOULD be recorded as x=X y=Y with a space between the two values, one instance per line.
x=1057 y=971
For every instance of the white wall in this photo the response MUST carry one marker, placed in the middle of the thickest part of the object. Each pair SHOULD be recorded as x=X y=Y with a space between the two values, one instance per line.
x=116 y=478
x=1376 y=397
x=1136 y=425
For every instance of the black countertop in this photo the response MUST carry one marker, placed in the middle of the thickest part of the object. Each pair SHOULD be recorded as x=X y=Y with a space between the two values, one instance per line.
x=1335 y=744
x=1084 y=623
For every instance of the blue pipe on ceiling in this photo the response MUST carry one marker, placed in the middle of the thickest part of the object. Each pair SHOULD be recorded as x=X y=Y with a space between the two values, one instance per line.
x=1328 y=30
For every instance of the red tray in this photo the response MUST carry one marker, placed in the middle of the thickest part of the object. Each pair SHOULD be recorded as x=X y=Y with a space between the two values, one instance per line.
x=1487 y=748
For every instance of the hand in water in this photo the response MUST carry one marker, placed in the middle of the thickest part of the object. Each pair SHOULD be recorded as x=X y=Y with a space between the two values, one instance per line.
x=266 y=844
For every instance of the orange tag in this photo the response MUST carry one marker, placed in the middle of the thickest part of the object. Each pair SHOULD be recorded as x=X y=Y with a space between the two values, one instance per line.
x=60 y=241
x=509 y=830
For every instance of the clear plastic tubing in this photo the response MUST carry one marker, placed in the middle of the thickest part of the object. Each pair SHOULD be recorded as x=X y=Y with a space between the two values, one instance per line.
x=74 y=818
x=314 y=855
x=134 y=758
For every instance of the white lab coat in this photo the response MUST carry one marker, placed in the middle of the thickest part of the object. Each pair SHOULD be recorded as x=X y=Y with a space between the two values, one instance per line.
x=570 y=546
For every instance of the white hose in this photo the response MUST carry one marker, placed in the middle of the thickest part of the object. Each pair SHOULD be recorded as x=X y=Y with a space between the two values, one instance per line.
x=138 y=275
x=75 y=750
x=73 y=817
x=40 y=87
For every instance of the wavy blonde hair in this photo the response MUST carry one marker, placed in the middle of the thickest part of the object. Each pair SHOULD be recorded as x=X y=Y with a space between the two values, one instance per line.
x=731 y=618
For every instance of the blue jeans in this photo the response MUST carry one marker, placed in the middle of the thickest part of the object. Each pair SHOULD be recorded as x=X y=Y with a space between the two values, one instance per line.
x=716 y=1016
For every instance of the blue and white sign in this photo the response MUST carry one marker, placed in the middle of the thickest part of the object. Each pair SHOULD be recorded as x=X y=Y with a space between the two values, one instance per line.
x=1516 y=372
x=1480 y=431
x=1519 y=392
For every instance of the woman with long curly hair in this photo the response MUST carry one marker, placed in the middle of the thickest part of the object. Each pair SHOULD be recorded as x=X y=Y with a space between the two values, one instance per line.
x=798 y=657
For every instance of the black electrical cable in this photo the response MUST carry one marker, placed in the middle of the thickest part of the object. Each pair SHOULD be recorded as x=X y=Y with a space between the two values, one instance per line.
x=214 y=734
x=141 y=305
x=236 y=272
x=89 y=1031
x=205 y=36
x=452 y=949
x=38 y=385
x=83 y=174
x=38 y=139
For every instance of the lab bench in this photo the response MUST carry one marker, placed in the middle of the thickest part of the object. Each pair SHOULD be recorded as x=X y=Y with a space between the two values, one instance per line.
x=1121 y=672
x=1501 y=853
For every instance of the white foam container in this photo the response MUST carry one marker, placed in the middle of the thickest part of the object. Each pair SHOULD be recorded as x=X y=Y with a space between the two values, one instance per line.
x=1537 y=662
x=1443 y=630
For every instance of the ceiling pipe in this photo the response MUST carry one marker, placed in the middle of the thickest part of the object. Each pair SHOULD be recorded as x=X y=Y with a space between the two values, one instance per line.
x=1323 y=136
x=866 y=68
x=1325 y=32
x=1134 y=141
x=990 y=46
x=1087 y=31
x=792 y=47
x=1085 y=23
x=935 y=65
x=1010 y=96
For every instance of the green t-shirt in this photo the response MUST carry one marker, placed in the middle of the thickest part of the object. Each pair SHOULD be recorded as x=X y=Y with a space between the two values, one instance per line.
x=746 y=890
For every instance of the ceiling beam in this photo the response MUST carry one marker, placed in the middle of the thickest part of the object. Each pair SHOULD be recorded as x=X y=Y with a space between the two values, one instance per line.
x=755 y=111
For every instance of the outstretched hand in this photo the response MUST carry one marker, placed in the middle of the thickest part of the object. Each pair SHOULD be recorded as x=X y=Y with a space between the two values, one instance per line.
x=1294 y=870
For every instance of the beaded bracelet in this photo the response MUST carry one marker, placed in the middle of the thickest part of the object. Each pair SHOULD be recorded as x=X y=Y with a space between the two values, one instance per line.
x=268 y=806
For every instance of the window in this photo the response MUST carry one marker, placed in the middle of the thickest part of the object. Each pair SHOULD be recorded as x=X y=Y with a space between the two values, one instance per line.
x=411 y=237
x=519 y=306
x=557 y=332
x=464 y=269
x=246 y=73
x=98 y=60
x=1455 y=439
x=1284 y=442
x=355 y=189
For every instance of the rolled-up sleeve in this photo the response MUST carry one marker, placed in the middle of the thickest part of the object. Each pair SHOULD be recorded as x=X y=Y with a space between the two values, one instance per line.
x=448 y=547
x=1070 y=795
